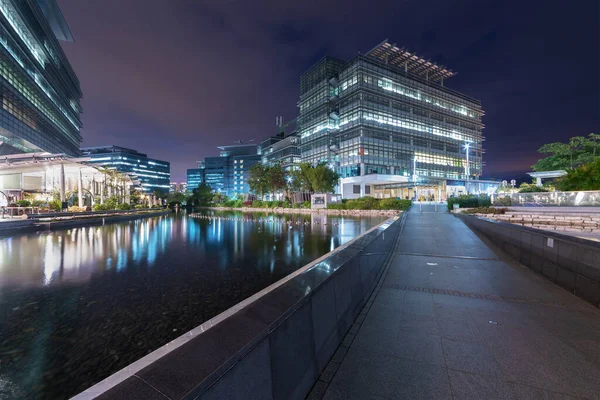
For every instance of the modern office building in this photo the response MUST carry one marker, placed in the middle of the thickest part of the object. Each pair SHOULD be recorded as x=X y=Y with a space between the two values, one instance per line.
x=195 y=176
x=388 y=124
x=228 y=173
x=40 y=92
x=282 y=148
x=153 y=175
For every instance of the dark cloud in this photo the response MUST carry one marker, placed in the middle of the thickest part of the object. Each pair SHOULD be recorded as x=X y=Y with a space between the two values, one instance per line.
x=177 y=78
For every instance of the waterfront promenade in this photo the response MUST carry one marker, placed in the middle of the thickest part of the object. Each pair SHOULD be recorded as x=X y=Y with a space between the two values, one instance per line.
x=453 y=318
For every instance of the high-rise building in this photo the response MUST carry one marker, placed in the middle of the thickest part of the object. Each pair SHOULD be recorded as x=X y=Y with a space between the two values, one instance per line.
x=40 y=92
x=387 y=124
x=154 y=175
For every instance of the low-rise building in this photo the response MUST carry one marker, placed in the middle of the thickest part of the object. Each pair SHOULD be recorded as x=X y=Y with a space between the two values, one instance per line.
x=153 y=175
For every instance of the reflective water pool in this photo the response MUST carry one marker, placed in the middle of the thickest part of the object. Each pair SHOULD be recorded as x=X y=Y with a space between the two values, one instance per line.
x=79 y=304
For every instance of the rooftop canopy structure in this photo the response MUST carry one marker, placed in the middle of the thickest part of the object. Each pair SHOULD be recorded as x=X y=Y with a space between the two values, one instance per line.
x=410 y=62
x=546 y=175
x=41 y=175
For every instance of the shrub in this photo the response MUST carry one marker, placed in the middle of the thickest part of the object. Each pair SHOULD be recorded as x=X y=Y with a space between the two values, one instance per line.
x=469 y=201
x=503 y=201
x=486 y=210
x=586 y=177
x=306 y=204
x=55 y=205
x=531 y=188
x=335 y=206
x=37 y=203
x=123 y=206
x=363 y=203
x=394 y=204
x=258 y=204
x=111 y=203
x=23 y=203
x=100 y=207
x=140 y=206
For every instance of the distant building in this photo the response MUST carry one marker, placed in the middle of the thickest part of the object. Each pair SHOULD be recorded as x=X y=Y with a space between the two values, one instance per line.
x=283 y=149
x=40 y=92
x=228 y=173
x=154 y=175
x=195 y=176
x=178 y=187
x=388 y=125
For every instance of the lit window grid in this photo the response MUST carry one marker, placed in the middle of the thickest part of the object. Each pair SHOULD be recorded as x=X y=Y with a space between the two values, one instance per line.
x=39 y=77
x=313 y=151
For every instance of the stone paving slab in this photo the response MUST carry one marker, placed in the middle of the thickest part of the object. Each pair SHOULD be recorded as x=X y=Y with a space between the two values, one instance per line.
x=453 y=318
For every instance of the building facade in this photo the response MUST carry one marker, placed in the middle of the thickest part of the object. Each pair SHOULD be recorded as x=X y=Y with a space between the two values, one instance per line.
x=195 y=176
x=178 y=187
x=39 y=89
x=235 y=163
x=228 y=173
x=283 y=149
x=385 y=119
x=153 y=175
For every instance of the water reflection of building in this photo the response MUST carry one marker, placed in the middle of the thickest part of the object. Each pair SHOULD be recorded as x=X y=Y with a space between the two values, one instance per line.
x=76 y=254
x=172 y=243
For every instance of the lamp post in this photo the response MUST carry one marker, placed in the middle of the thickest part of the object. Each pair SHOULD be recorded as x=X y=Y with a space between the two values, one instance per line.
x=414 y=177
x=467 y=169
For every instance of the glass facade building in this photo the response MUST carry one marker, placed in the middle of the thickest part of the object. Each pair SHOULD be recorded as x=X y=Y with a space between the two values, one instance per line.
x=40 y=92
x=283 y=149
x=154 y=175
x=228 y=173
x=386 y=117
x=195 y=176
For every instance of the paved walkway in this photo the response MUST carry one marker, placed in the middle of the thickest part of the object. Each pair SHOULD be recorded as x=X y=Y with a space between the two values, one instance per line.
x=452 y=320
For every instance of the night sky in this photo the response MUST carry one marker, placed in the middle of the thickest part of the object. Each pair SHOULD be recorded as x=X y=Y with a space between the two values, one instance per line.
x=176 y=78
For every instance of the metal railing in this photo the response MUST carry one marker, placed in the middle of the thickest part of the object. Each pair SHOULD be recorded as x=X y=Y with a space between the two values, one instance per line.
x=541 y=199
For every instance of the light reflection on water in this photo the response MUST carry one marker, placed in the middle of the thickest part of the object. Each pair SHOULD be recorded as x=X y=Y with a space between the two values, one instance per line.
x=79 y=304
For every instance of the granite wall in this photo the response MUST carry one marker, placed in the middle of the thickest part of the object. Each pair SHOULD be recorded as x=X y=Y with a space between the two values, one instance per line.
x=570 y=262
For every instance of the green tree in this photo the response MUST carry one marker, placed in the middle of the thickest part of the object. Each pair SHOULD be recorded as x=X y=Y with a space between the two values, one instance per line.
x=258 y=179
x=276 y=181
x=586 y=177
x=313 y=179
x=201 y=195
x=300 y=181
x=176 y=197
x=322 y=178
x=135 y=197
x=578 y=151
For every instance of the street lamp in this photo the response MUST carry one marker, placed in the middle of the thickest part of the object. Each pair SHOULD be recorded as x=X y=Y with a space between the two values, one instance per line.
x=467 y=168
x=415 y=175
